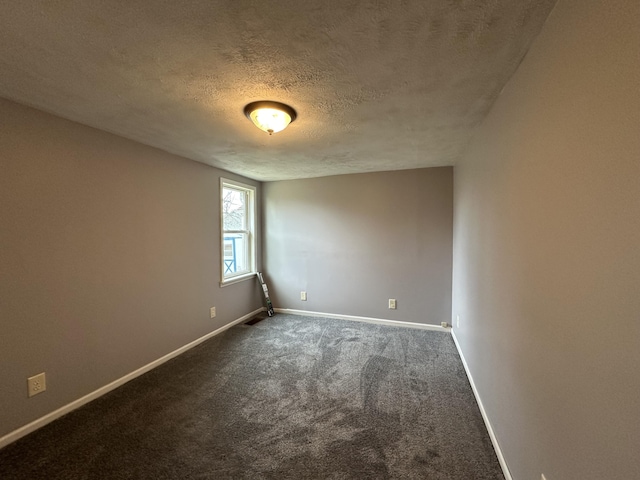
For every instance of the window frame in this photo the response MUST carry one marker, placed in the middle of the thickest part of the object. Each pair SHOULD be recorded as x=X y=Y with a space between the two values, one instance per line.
x=250 y=203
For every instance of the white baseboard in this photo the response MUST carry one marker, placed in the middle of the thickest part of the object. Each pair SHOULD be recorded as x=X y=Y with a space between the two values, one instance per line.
x=485 y=417
x=379 y=321
x=50 y=417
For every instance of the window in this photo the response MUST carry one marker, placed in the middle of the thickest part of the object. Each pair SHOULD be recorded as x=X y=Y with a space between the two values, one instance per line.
x=237 y=207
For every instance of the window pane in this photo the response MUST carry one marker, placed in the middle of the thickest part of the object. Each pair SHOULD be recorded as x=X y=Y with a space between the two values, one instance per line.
x=234 y=209
x=236 y=253
x=238 y=223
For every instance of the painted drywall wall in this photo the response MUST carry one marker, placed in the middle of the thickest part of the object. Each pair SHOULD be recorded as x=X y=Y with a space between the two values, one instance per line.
x=354 y=241
x=109 y=259
x=546 y=257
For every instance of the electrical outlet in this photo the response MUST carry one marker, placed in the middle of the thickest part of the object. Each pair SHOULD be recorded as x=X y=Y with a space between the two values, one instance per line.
x=212 y=312
x=457 y=321
x=36 y=384
x=303 y=296
x=392 y=303
x=444 y=324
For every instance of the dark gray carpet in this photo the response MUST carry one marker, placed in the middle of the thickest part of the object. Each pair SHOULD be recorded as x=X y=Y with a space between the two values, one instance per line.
x=289 y=397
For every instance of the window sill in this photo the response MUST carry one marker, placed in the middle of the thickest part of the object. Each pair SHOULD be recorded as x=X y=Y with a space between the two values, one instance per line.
x=238 y=279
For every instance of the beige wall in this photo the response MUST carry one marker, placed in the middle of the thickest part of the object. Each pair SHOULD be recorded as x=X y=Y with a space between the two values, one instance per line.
x=109 y=259
x=354 y=241
x=547 y=250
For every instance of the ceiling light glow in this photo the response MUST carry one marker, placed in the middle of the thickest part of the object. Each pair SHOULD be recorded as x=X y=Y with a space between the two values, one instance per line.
x=270 y=117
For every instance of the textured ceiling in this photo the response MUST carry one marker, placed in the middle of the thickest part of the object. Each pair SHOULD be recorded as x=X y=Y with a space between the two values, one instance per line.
x=378 y=85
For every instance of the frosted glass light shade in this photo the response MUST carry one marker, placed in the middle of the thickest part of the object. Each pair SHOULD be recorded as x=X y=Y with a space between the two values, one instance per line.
x=270 y=120
x=270 y=117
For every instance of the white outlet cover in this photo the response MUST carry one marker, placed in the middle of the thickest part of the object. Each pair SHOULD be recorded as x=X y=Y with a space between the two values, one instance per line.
x=303 y=296
x=392 y=303
x=212 y=312
x=36 y=384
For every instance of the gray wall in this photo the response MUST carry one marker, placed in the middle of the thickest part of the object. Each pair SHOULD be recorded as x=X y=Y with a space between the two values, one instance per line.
x=354 y=241
x=547 y=250
x=109 y=259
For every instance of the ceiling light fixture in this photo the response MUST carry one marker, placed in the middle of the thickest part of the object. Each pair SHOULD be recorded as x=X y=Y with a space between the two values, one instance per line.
x=271 y=117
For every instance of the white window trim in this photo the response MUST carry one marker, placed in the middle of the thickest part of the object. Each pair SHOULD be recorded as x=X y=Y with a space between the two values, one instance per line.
x=251 y=223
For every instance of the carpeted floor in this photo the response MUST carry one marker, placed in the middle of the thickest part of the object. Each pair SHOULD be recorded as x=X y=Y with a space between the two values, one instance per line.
x=290 y=397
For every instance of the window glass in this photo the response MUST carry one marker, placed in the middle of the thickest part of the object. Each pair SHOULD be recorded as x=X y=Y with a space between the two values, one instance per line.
x=238 y=225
